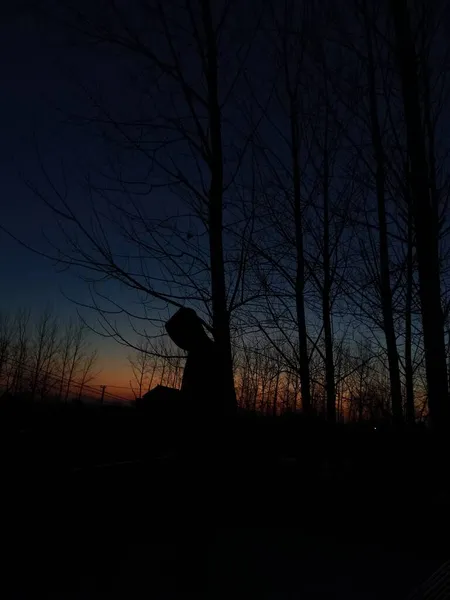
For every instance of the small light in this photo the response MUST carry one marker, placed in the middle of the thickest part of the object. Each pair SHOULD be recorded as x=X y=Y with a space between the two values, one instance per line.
x=375 y=428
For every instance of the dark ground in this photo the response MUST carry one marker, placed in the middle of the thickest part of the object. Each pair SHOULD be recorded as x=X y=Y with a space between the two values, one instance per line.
x=147 y=525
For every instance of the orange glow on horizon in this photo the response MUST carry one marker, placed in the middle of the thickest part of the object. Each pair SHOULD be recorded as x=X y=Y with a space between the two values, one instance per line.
x=115 y=373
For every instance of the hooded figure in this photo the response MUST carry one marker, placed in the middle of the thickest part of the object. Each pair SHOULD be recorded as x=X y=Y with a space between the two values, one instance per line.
x=201 y=389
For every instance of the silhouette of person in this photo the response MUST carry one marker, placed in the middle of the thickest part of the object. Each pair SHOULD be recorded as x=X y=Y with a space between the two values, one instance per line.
x=204 y=404
x=202 y=368
x=202 y=439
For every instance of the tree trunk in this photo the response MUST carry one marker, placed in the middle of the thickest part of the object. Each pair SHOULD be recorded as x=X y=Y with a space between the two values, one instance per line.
x=63 y=372
x=410 y=411
x=385 y=282
x=326 y=299
x=425 y=221
x=152 y=376
x=300 y=266
x=161 y=380
x=221 y=318
x=275 y=395
x=448 y=353
x=296 y=388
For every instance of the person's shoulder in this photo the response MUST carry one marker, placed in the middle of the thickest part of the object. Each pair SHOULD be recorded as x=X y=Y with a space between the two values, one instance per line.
x=214 y=349
x=208 y=345
x=210 y=352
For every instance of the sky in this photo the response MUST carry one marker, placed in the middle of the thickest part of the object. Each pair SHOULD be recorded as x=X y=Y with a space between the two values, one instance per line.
x=33 y=89
x=39 y=71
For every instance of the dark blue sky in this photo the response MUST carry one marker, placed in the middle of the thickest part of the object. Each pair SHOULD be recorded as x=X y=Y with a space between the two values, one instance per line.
x=29 y=83
x=39 y=73
x=33 y=88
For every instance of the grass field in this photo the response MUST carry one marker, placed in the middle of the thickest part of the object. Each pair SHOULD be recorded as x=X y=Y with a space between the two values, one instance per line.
x=95 y=503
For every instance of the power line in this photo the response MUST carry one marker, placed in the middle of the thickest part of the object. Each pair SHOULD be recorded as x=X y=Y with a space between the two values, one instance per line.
x=121 y=387
x=59 y=378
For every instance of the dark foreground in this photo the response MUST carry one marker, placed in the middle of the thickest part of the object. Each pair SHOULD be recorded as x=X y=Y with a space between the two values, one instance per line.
x=95 y=506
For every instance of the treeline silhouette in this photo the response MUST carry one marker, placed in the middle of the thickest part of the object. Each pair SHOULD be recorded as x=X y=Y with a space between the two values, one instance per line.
x=267 y=384
x=45 y=358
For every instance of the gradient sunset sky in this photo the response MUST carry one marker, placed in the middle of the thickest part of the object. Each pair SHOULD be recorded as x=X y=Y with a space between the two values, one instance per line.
x=35 y=95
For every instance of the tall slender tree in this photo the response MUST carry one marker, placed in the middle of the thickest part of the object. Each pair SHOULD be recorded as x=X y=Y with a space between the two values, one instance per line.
x=426 y=218
x=380 y=186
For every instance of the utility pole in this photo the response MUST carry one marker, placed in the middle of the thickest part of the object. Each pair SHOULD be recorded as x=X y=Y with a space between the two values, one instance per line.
x=103 y=387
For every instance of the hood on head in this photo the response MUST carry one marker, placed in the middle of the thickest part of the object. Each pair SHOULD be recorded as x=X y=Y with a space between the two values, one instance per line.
x=185 y=329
